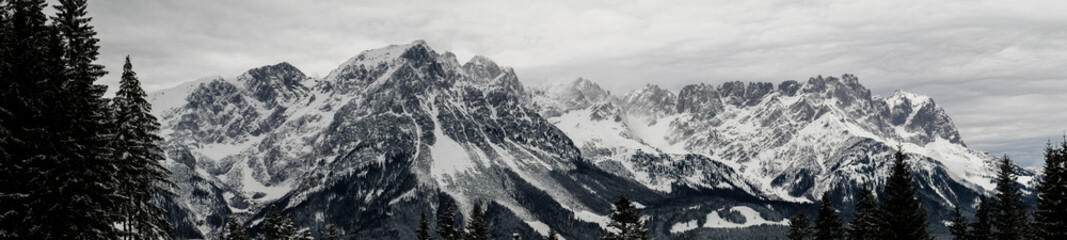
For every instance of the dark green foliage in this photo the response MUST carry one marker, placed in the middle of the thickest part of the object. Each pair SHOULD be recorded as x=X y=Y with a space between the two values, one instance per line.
x=958 y=229
x=233 y=231
x=800 y=227
x=625 y=222
x=982 y=228
x=1050 y=216
x=868 y=220
x=905 y=217
x=139 y=159
x=477 y=227
x=446 y=224
x=1009 y=216
x=276 y=226
x=424 y=228
x=552 y=235
x=828 y=223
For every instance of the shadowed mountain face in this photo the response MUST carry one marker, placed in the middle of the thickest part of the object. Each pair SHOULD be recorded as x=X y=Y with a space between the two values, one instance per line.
x=401 y=130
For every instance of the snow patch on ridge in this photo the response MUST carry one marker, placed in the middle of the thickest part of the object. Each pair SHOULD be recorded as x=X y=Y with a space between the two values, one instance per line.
x=752 y=218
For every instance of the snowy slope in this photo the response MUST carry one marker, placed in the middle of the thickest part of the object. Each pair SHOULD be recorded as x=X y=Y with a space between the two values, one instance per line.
x=398 y=131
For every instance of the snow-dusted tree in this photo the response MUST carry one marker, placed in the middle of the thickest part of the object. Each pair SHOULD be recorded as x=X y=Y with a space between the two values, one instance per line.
x=1049 y=216
x=233 y=231
x=446 y=224
x=1009 y=215
x=477 y=227
x=982 y=228
x=958 y=229
x=868 y=220
x=28 y=78
x=138 y=158
x=800 y=227
x=305 y=235
x=276 y=226
x=332 y=233
x=905 y=217
x=625 y=222
x=552 y=235
x=828 y=223
x=424 y=228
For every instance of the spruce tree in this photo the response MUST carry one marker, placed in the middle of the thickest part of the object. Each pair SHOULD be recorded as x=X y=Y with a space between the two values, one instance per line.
x=1009 y=216
x=905 y=217
x=868 y=220
x=982 y=228
x=85 y=174
x=625 y=222
x=276 y=226
x=32 y=73
x=552 y=235
x=332 y=233
x=800 y=227
x=477 y=227
x=305 y=235
x=828 y=223
x=446 y=224
x=958 y=229
x=1049 y=220
x=424 y=228
x=233 y=231
x=139 y=158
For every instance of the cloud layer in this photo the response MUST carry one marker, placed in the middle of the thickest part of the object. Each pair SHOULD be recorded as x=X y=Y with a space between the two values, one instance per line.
x=998 y=67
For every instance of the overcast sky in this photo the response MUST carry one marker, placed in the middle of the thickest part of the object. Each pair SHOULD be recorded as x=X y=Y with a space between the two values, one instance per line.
x=998 y=67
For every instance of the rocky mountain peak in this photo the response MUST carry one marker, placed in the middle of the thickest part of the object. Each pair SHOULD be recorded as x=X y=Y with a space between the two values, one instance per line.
x=921 y=116
x=650 y=100
x=274 y=83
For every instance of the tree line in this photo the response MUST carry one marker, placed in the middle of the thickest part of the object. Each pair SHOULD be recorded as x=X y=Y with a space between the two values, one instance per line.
x=899 y=215
x=626 y=224
x=275 y=227
x=73 y=164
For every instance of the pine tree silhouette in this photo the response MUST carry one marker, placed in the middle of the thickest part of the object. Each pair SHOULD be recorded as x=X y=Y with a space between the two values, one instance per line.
x=904 y=215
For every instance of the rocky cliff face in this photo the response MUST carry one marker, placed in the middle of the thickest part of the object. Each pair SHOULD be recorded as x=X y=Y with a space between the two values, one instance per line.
x=398 y=131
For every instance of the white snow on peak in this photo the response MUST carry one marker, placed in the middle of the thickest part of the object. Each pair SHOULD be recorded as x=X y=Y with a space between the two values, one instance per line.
x=479 y=60
x=900 y=95
x=166 y=99
x=376 y=56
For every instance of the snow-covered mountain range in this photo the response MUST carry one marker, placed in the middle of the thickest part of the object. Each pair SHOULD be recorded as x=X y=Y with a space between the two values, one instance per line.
x=401 y=130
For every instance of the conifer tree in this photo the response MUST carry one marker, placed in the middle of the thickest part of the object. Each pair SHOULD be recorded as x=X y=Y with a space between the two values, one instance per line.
x=477 y=227
x=982 y=228
x=1049 y=216
x=625 y=222
x=233 y=231
x=446 y=224
x=138 y=158
x=958 y=229
x=305 y=235
x=1009 y=216
x=868 y=219
x=552 y=235
x=424 y=228
x=905 y=217
x=31 y=70
x=800 y=227
x=828 y=223
x=84 y=176
x=332 y=233
x=276 y=226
